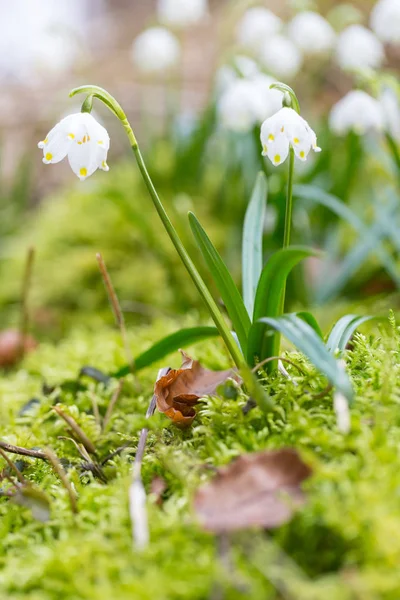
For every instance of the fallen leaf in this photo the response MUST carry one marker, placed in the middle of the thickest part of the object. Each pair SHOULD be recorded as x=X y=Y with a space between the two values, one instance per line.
x=177 y=392
x=260 y=489
x=13 y=346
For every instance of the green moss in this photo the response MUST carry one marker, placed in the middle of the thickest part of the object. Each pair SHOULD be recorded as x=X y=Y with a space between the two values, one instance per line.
x=343 y=544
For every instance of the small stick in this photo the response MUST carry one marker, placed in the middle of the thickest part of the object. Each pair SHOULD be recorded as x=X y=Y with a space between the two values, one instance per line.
x=26 y=284
x=96 y=412
x=59 y=470
x=116 y=307
x=22 y=451
x=80 y=434
x=281 y=358
x=112 y=404
x=137 y=494
x=14 y=467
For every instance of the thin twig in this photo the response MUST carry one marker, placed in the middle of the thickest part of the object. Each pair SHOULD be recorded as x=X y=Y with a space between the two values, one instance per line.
x=113 y=401
x=13 y=467
x=60 y=471
x=137 y=494
x=80 y=434
x=116 y=307
x=96 y=412
x=281 y=358
x=22 y=451
x=26 y=284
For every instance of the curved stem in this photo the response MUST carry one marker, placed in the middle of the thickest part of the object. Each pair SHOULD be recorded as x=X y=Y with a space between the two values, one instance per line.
x=212 y=307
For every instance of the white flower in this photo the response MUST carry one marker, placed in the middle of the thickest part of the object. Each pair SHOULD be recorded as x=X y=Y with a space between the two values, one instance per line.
x=311 y=33
x=247 y=102
x=357 y=112
x=83 y=139
x=391 y=112
x=385 y=20
x=155 y=50
x=284 y=129
x=256 y=25
x=182 y=13
x=358 y=48
x=281 y=57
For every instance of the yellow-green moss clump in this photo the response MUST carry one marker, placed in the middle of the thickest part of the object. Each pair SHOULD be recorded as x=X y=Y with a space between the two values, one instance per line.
x=113 y=216
x=341 y=545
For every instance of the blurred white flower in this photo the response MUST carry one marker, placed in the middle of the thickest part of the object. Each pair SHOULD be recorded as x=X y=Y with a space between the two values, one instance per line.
x=155 y=50
x=182 y=13
x=281 y=57
x=247 y=102
x=287 y=129
x=83 y=139
x=256 y=25
x=358 y=48
x=385 y=20
x=391 y=112
x=311 y=33
x=357 y=112
x=241 y=66
x=56 y=52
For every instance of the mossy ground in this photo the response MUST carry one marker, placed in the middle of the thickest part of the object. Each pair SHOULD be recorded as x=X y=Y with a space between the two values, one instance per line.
x=343 y=544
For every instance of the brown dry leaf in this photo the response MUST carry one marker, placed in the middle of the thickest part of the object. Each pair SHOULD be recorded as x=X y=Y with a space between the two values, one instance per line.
x=178 y=391
x=260 y=489
x=13 y=346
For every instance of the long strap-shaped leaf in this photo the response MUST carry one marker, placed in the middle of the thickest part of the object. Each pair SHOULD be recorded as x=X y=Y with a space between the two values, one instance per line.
x=305 y=339
x=171 y=343
x=268 y=299
x=252 y=259
x=224 y=282
x=342 y=331
x=372 y=237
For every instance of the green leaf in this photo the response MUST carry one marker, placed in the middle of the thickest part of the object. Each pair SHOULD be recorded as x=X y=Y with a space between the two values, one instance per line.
x=305 y=339
x=342 y=331
x=269 y=297
x=371 y=240
x=224 y=282
x=171 y=343
x=252 y=259
x=312 y=321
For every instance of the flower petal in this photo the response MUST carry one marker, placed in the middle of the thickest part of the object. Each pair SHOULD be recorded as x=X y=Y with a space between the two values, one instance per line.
x=83 y=159
x=278 y=149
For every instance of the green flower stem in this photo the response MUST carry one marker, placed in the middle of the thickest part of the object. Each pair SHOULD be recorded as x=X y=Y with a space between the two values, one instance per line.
x=212 y=307
x=286 y=238
x=289 y=202
x=394 y=149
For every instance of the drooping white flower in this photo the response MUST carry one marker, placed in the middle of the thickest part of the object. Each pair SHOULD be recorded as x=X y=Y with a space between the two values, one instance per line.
x=247 y=102
x=391 y=112
x=256 y=25
x=287 y=129
x=357 y=112
x=82 y=139
x=358 y=48
x=182 y=13
x=385 y=20
x=155 y=50
x=311 y=33
x=281 y=57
